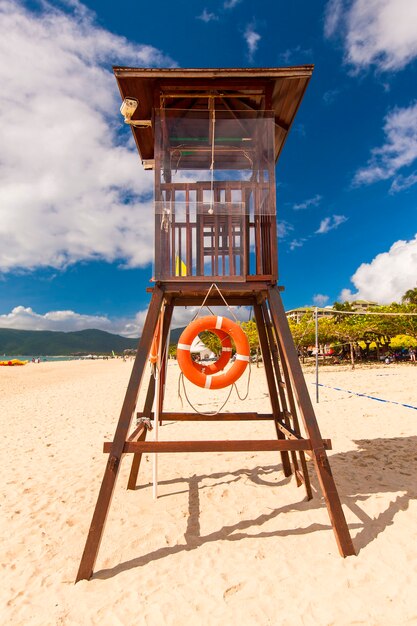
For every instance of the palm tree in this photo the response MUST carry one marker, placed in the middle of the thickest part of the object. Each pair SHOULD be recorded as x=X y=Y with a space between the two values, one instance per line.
x=410 y=296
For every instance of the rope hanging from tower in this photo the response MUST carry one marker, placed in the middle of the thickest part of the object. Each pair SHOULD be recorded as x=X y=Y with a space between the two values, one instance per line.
x=213 y=376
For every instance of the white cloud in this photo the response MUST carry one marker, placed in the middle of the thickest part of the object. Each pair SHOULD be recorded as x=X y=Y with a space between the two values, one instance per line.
x=403 y=182
x=330 y=223
x=184 y=315
x=380 y=33
x=398 y=151
x=252 y=39
x=206 y=16
x=295 y=56
x=25 y=318
x=297 y=243
x=388 y=276
x=332 y=17
x=320 y=299
x=330 y=96
x=70 y=189
x=326 y=225
x=284 y=228
x=308 y=203
x=230 y=4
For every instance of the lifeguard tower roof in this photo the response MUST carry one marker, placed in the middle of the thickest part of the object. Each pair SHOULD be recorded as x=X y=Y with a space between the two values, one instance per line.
x=276 y=89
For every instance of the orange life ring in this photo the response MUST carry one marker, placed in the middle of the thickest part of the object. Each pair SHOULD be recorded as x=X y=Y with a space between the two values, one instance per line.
x=224 y=357
x=153 y=354
x=213 y=322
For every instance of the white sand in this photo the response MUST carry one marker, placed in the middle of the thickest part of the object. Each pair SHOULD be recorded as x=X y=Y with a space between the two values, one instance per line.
x=230 y=540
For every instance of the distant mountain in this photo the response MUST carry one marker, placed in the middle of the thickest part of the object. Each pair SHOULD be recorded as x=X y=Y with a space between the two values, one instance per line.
x=53 y=343
x=175 y=335
x=47 y=342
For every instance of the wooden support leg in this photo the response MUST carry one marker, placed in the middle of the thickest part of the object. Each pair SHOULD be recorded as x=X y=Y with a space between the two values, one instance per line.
x=281 y=392
x=271 y=383
x=134 y=470
x=95 y=533
x=321 y=462
x=283 y=398
x=296 y=424
x=137 y=457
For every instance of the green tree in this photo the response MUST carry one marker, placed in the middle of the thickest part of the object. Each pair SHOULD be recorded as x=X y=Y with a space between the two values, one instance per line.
x=351 y=329
x=342 y=306
x=303 y=332
x=326 y=330
x=251 y=331
x=212 y=341
x=410 y=296
x=406 y=324
x=403 y=341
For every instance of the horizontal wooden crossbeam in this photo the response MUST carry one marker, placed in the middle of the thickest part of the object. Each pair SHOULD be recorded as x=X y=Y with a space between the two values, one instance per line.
x=219 y=417
x=189 y=287
x=243 y=445
x=232 y=417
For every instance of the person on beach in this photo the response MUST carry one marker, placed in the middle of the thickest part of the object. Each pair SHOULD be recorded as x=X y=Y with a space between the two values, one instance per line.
x=412 y=353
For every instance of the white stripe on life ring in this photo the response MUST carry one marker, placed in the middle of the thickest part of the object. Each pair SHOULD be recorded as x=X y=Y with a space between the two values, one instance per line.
x=183 y=346
x=219 y=322
x=242 y=357
x=207 y=384
x=226 y=349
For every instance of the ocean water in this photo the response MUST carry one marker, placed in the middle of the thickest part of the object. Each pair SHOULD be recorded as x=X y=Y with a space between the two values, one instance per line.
x=29 y=357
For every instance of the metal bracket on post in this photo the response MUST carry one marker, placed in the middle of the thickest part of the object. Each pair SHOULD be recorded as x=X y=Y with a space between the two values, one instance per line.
x=146 y=421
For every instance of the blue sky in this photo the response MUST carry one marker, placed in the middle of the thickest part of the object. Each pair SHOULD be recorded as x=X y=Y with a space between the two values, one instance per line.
x=76 y=205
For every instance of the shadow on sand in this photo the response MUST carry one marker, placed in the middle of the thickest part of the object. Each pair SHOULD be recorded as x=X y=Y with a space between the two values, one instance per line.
x=377 y=466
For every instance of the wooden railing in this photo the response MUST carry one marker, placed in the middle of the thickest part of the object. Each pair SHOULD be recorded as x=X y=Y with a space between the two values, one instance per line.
x=225 y=234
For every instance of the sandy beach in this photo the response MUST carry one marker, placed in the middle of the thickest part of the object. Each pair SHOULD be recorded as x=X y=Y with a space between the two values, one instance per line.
x=230 y=539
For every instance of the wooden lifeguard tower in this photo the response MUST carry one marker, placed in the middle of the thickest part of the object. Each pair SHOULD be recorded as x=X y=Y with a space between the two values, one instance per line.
x=212 y=138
